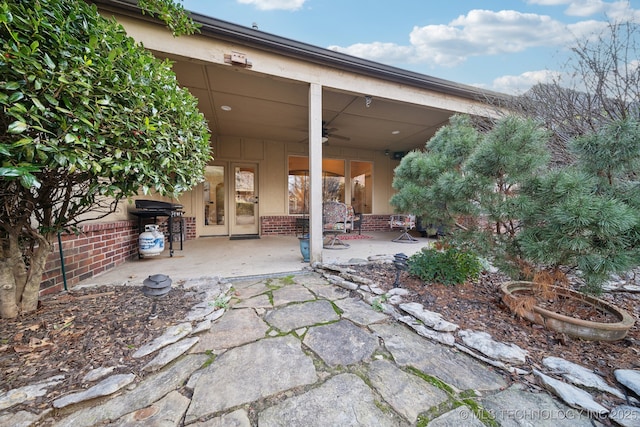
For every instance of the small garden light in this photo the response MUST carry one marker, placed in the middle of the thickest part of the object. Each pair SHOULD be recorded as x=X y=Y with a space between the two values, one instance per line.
x=400 y=262
x=155 y=287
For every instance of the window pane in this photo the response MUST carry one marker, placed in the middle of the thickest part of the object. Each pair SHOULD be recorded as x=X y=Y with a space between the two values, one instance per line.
x=361 y=186
x=332 y=180
x=214 y=195
x=298 y=185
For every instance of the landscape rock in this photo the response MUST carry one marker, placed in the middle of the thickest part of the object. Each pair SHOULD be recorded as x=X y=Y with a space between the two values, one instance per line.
x=97 y=373
x=441 y=337
x=201 y=310
x=625 y=415
x=429 y=318
x=104 y=388
x=484 y=343
x=571 y=395
x=171 y=335
x=170 y=353
x=27 y=393
x=148 y=391
x=166 y=412
x=20 y=419
x=579 y=375
x=439 y=361
x=517 y=406
x=630 y=378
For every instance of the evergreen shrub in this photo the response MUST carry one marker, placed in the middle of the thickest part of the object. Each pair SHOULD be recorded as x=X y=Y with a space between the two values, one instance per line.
x=450 y=266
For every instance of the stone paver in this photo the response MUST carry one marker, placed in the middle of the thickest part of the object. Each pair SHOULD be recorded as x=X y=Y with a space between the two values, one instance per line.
x=294 y=316
x=330 y=341
x=303 y=351
x=327 y=291
x=251 y=372
x=516 y=407
x=359 y=311
x=344 y=400
x=149 y=391
x=408 y=394
x=436 y=360
x=293 y=293
x=237 y=418
x=460 y=416
x=259 y=301
x=235 y=328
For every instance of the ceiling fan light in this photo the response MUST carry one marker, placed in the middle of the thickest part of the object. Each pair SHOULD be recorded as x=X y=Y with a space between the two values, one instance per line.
x=325 y=139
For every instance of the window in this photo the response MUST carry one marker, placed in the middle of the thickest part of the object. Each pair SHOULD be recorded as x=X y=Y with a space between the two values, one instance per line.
x=361 y=186
x=333 y=180
x=333 y=183
x=214 y=195
x=298 y=185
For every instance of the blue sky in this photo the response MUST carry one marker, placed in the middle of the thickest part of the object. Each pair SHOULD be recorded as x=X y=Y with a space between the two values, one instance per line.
x=506 y=45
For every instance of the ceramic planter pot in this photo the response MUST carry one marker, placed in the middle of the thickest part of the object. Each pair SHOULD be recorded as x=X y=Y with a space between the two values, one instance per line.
x=574 y=327
x=304 y=248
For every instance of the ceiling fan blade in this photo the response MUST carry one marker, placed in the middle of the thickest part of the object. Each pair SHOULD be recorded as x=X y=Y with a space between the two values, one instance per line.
x=344 y=138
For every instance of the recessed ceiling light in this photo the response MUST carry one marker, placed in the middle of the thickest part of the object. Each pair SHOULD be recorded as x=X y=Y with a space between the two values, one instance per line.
x=395 y=132
x=225 y=108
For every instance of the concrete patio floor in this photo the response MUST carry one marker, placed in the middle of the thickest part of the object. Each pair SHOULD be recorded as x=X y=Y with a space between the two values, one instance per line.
x=269 y=255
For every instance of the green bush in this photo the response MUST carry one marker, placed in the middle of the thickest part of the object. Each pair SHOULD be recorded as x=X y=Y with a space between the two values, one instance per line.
x=500 y=195
x=449 y=267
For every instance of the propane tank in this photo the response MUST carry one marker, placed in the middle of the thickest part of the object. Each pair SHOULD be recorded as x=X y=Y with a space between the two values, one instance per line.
x=151 y=241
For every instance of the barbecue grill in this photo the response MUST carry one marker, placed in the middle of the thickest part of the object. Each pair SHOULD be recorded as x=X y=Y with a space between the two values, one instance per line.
x=154 y=209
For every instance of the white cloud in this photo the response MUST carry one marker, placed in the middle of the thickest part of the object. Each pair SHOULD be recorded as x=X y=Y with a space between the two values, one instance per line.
x=479 y=33
x=620 y=9
x=516 y=85
x=388 y=53
x=275 y=4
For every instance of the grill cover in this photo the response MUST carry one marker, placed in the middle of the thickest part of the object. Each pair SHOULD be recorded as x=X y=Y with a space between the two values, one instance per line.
x=157 y=205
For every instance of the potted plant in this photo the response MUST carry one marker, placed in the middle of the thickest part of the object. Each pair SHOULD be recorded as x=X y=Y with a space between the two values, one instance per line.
x=564 y=227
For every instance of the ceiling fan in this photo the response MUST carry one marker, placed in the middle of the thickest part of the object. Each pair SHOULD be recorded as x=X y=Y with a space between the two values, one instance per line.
x=327 y=133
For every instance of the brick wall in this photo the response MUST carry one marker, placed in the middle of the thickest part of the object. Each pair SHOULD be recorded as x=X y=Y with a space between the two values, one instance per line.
x=97 y=249
x=375 y=222
x=285 y=225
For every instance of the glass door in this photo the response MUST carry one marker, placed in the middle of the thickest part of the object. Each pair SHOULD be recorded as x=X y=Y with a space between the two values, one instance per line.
x=215 y=210
x=245 y=192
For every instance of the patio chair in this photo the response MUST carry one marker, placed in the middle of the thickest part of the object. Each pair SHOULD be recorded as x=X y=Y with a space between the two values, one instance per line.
x=335 y=221
x=406 y=222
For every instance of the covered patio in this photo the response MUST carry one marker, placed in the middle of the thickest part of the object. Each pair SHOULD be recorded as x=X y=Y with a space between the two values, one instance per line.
x=269 y=255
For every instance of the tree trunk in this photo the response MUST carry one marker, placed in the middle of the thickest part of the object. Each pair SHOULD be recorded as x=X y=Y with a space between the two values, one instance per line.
x=8 y=301
x=19 y=285
x=28 y=301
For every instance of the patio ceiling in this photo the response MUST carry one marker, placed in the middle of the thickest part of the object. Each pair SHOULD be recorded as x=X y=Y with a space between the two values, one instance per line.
x=274 y=109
